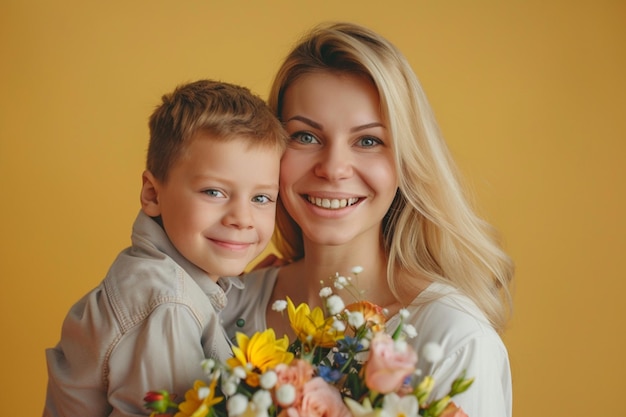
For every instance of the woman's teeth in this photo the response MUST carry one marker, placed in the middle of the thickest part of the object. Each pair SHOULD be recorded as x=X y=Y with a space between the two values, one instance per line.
x=332 y=203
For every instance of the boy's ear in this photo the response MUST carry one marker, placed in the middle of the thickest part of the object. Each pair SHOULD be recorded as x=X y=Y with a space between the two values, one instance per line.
x=150 y=194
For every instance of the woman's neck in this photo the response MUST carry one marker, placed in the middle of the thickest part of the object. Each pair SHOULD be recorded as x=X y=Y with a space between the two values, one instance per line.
x=302 y=278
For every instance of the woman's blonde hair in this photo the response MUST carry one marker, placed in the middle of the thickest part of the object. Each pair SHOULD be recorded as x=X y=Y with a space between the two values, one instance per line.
x=430 y=228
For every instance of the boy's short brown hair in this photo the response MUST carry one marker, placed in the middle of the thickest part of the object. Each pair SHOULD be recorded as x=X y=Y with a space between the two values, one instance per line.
x=221 y=109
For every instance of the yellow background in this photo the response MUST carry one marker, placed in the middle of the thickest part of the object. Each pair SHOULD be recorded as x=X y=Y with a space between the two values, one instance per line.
x=531 y=96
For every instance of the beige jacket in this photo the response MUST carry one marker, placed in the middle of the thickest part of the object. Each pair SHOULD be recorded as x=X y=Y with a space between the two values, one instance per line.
x=147 y=326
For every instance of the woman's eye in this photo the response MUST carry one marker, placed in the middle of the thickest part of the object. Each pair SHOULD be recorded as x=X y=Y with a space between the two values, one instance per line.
x=214 y=193
x=261 y=199
x=304 y=138
x=369 y=141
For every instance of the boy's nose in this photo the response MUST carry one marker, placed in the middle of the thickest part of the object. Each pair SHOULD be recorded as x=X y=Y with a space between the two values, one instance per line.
x=239 y=215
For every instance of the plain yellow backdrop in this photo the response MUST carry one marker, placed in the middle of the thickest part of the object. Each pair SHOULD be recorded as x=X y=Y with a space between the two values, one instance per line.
x=531 y=96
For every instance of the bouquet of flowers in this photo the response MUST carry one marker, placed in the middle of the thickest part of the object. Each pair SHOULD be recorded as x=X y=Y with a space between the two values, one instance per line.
x=343 y=363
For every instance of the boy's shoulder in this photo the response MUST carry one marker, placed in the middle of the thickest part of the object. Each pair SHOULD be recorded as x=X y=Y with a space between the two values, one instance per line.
x=141 y=278
x=136 y=284
x=151 y=273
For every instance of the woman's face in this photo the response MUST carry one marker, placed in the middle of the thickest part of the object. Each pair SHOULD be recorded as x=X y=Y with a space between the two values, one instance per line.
x=338 y=176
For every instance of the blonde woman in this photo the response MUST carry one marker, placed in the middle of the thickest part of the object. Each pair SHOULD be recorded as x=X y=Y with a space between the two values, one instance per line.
x=368 y=180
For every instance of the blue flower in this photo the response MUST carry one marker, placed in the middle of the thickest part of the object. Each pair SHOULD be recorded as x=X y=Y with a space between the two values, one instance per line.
x=349 y=344
x=329 y=374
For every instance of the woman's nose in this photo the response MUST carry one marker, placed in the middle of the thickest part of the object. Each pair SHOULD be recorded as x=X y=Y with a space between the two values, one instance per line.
x=335 y=164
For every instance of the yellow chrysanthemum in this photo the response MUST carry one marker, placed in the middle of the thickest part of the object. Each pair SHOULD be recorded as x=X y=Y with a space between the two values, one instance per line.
x=198 y=400
x=312 y=326
x=259 y=353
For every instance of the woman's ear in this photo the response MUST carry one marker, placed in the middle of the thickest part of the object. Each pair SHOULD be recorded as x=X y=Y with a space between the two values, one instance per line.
x=150 y=194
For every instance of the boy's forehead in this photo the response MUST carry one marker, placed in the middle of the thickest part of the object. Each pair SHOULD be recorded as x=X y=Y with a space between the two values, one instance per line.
x=207 y=157
x=251 y=141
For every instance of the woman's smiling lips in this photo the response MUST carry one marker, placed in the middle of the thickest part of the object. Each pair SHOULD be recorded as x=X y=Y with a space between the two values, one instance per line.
x=331 y=203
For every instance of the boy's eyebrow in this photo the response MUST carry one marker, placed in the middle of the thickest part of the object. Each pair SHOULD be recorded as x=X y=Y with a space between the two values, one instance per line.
x=272 y=186
x=318 y=126
x=226 y=180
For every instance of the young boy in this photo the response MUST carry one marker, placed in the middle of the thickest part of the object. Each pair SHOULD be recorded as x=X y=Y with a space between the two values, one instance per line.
x=208 y=203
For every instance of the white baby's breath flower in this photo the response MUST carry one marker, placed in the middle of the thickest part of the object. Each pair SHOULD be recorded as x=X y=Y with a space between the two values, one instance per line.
x=334 y=304
x=404 y=313
x=356 y=319
x=325 y=292
x=340 y=282
x=258 y=412
x=409 y=330
x=432 y=352
x=339 y=325
x=229 y=387
x=286 y=395
x=362 y=357
x=279 y=305
x=203 y=392
x=268 y=380
x=237 y=405
x=365 y=342
x=357 y=270
x=239 y=372
x=262 y=398
x=208 y=365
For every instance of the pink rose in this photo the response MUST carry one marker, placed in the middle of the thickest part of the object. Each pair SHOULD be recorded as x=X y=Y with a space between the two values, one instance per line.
x=453 y=411
x=319 y=399
x=297 y=373
x=388 y=366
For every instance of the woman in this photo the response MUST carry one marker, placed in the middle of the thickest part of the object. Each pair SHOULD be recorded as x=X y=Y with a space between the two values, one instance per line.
x=367 y=180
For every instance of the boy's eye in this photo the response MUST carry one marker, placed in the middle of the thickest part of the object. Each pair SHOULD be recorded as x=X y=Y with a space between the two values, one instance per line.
x=261 y=199
x=304 y=137
x=214 y=193
x=369 y=141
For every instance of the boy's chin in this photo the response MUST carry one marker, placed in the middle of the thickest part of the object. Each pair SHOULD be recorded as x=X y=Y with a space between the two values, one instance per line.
x=236 y=269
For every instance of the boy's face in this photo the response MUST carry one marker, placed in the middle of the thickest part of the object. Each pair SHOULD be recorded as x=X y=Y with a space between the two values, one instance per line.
x=218 y=203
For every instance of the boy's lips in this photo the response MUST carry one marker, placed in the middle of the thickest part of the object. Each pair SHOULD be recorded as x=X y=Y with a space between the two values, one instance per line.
x=232 y=245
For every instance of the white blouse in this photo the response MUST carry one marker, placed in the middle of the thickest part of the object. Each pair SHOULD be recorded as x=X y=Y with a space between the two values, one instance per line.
x=440 y=314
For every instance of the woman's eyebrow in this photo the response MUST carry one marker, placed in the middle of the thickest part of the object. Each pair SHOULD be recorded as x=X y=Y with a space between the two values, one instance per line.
x=366 y=126
x=307 y=121
x=318 y=126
